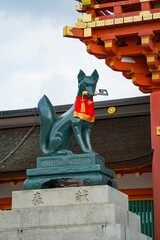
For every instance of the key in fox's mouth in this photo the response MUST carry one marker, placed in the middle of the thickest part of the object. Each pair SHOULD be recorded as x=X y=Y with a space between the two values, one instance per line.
x=102 y=92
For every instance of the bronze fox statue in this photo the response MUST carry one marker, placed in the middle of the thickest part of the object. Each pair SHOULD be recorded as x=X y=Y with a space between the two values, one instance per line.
x=56 y=133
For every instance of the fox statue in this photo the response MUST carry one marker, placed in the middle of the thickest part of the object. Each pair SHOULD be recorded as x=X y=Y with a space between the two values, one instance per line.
x=56 y=133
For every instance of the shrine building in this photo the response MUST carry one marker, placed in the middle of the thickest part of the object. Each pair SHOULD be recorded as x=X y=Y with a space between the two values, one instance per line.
x=121 y=134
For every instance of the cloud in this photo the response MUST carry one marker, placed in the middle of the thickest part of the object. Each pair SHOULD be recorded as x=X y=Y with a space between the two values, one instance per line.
x=61 y=10
x=35 y=59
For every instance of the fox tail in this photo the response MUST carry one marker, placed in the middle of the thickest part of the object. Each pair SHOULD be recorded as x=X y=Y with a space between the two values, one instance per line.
x=47 y=118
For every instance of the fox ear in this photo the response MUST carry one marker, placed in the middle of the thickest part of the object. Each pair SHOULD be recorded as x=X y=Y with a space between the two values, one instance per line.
x=95 y=75
x=81 y=75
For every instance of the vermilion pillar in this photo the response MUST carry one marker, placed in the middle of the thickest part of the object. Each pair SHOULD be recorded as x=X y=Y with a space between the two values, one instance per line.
x=155 y=134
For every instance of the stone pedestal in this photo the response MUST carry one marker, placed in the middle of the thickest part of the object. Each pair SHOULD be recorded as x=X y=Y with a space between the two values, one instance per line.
x=90 y=168
x=77 y=213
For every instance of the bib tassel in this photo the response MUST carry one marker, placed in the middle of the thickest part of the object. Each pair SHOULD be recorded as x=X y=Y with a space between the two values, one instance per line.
x=83 y=108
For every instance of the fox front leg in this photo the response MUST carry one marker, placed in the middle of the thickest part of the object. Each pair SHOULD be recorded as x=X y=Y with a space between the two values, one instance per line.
x=77 y=130
x=86 y=137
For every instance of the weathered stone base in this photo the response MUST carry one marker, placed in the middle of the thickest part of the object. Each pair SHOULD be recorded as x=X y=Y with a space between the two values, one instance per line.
x=89 y=232
x=77 y=213
x=90 y=168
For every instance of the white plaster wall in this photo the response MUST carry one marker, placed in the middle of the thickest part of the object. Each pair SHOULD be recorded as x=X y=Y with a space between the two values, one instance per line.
x=130 y=181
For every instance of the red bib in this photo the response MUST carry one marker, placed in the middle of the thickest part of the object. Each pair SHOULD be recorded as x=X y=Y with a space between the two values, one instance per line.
x=84 y=108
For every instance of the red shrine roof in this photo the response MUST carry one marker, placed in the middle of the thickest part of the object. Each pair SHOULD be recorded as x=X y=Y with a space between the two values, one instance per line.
x=126 y=34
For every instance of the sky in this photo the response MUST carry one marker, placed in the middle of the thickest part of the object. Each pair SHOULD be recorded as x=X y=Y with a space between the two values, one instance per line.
x=35 y=58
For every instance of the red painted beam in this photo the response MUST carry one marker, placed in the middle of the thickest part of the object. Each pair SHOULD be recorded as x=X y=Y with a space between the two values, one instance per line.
x=73 y=32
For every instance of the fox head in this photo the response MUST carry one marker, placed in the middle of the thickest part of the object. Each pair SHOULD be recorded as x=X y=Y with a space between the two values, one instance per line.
x=87 y=84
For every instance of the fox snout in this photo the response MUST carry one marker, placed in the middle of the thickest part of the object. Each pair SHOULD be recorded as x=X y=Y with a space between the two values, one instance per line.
x=89 y=91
